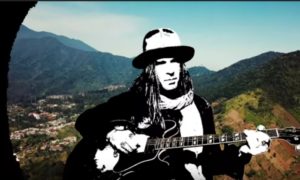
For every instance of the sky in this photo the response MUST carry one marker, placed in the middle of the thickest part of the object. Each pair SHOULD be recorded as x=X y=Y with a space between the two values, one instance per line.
x=222 y=33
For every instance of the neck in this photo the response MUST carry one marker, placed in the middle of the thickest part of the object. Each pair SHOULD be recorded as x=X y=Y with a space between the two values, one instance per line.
x=172 y=94
x=209 y=139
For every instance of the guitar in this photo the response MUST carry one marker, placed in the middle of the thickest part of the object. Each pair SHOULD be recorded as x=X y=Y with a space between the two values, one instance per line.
x=112 y=161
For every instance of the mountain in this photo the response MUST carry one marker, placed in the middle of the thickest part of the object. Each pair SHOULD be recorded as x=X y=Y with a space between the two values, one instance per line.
x=25 y=32
x=280 y=78
x=199 y=71
x=212 y=85
x=44 y=66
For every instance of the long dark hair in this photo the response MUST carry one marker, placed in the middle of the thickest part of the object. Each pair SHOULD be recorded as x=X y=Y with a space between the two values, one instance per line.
x=147 y=86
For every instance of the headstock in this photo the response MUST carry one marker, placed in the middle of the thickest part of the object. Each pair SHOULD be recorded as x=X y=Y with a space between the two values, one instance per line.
x=290 y=134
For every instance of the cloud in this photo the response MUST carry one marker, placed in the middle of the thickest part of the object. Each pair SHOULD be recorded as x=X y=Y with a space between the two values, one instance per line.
x=115 y=33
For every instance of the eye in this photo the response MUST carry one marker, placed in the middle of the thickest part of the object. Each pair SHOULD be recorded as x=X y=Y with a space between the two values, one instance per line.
x=175 y=60
x=159 y=62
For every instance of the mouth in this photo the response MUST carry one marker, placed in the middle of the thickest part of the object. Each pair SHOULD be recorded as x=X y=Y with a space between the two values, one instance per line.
x=172 y=79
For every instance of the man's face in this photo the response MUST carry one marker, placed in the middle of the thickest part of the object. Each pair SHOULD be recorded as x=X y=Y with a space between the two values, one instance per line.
x=167 y=71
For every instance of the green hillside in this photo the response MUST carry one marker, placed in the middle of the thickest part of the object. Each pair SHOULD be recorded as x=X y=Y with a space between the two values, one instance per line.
x=225 y=83
x=45 y=66
x=279 y=78
x=247 y=111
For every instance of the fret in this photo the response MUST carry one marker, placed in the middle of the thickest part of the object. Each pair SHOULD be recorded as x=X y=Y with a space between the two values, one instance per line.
x=240 y=135
x=216 y=139
x=223 y=138
x=210 y=139
x=236 y=136
x=174 y=142
x=161 y=144
x=204 y=139
x=229 y=138
x=188 y=141
x=157 y=144
x=185 y=143
x=277 y=133
x=167 y=144
x=195 y=140
x=244 y=136
x=181 y=141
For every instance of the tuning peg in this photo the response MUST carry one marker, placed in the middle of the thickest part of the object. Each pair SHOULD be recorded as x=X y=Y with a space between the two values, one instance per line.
x=297 y=148
x=260 y=127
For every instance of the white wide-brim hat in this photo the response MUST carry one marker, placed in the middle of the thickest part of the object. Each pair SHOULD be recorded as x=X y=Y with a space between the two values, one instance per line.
x=162 y=43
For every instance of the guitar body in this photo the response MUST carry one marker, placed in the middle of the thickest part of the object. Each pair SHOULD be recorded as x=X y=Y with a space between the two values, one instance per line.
x=109 y=160
x=87 y=161
x=132 y=164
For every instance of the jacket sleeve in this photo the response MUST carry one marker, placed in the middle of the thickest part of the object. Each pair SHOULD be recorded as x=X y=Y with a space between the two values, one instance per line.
x=218 y=161
x=95 y=123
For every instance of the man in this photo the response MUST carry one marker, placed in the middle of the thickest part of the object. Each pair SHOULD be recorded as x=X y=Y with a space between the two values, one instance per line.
x=160 y=104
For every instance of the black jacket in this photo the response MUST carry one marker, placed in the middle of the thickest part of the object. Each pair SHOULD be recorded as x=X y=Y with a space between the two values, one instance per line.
x=126 y=109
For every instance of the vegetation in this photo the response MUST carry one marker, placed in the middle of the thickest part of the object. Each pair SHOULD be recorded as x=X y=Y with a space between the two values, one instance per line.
x=278 y=77
x=45 y=66
x=67 y=132
x=254 y=107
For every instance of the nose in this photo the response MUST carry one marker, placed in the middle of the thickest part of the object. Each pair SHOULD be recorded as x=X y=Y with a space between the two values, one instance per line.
x=170 y=73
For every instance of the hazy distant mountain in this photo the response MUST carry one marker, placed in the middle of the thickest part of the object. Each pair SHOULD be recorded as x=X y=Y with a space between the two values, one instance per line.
x=245 y=65
x=25 y=32
x=199 y=71
x=279 y=76
x=43 y=66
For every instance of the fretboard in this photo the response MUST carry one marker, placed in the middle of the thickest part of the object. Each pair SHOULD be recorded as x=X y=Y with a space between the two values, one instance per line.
x=196 y=141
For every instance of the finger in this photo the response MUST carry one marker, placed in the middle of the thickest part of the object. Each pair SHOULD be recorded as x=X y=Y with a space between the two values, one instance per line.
x=260 y=127
x=126 y=147
x=253 y=142
x=132 y=144
x=263 y=136
x=249 y=132
x=265 y=148
x=245 y=149
x=120 y=148
x=260 y=150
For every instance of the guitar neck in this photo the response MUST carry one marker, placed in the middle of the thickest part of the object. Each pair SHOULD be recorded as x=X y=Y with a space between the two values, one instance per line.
x=196 y=141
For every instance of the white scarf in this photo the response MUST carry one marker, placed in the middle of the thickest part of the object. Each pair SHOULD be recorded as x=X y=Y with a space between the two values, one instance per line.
x=178 y=103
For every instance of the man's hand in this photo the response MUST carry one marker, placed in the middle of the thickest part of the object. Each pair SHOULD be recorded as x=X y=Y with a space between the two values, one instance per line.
x=126 y=141
x=196 y=172
x=258 y=142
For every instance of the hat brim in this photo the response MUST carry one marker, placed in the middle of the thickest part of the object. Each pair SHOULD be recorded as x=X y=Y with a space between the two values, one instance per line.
x=181 y=53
